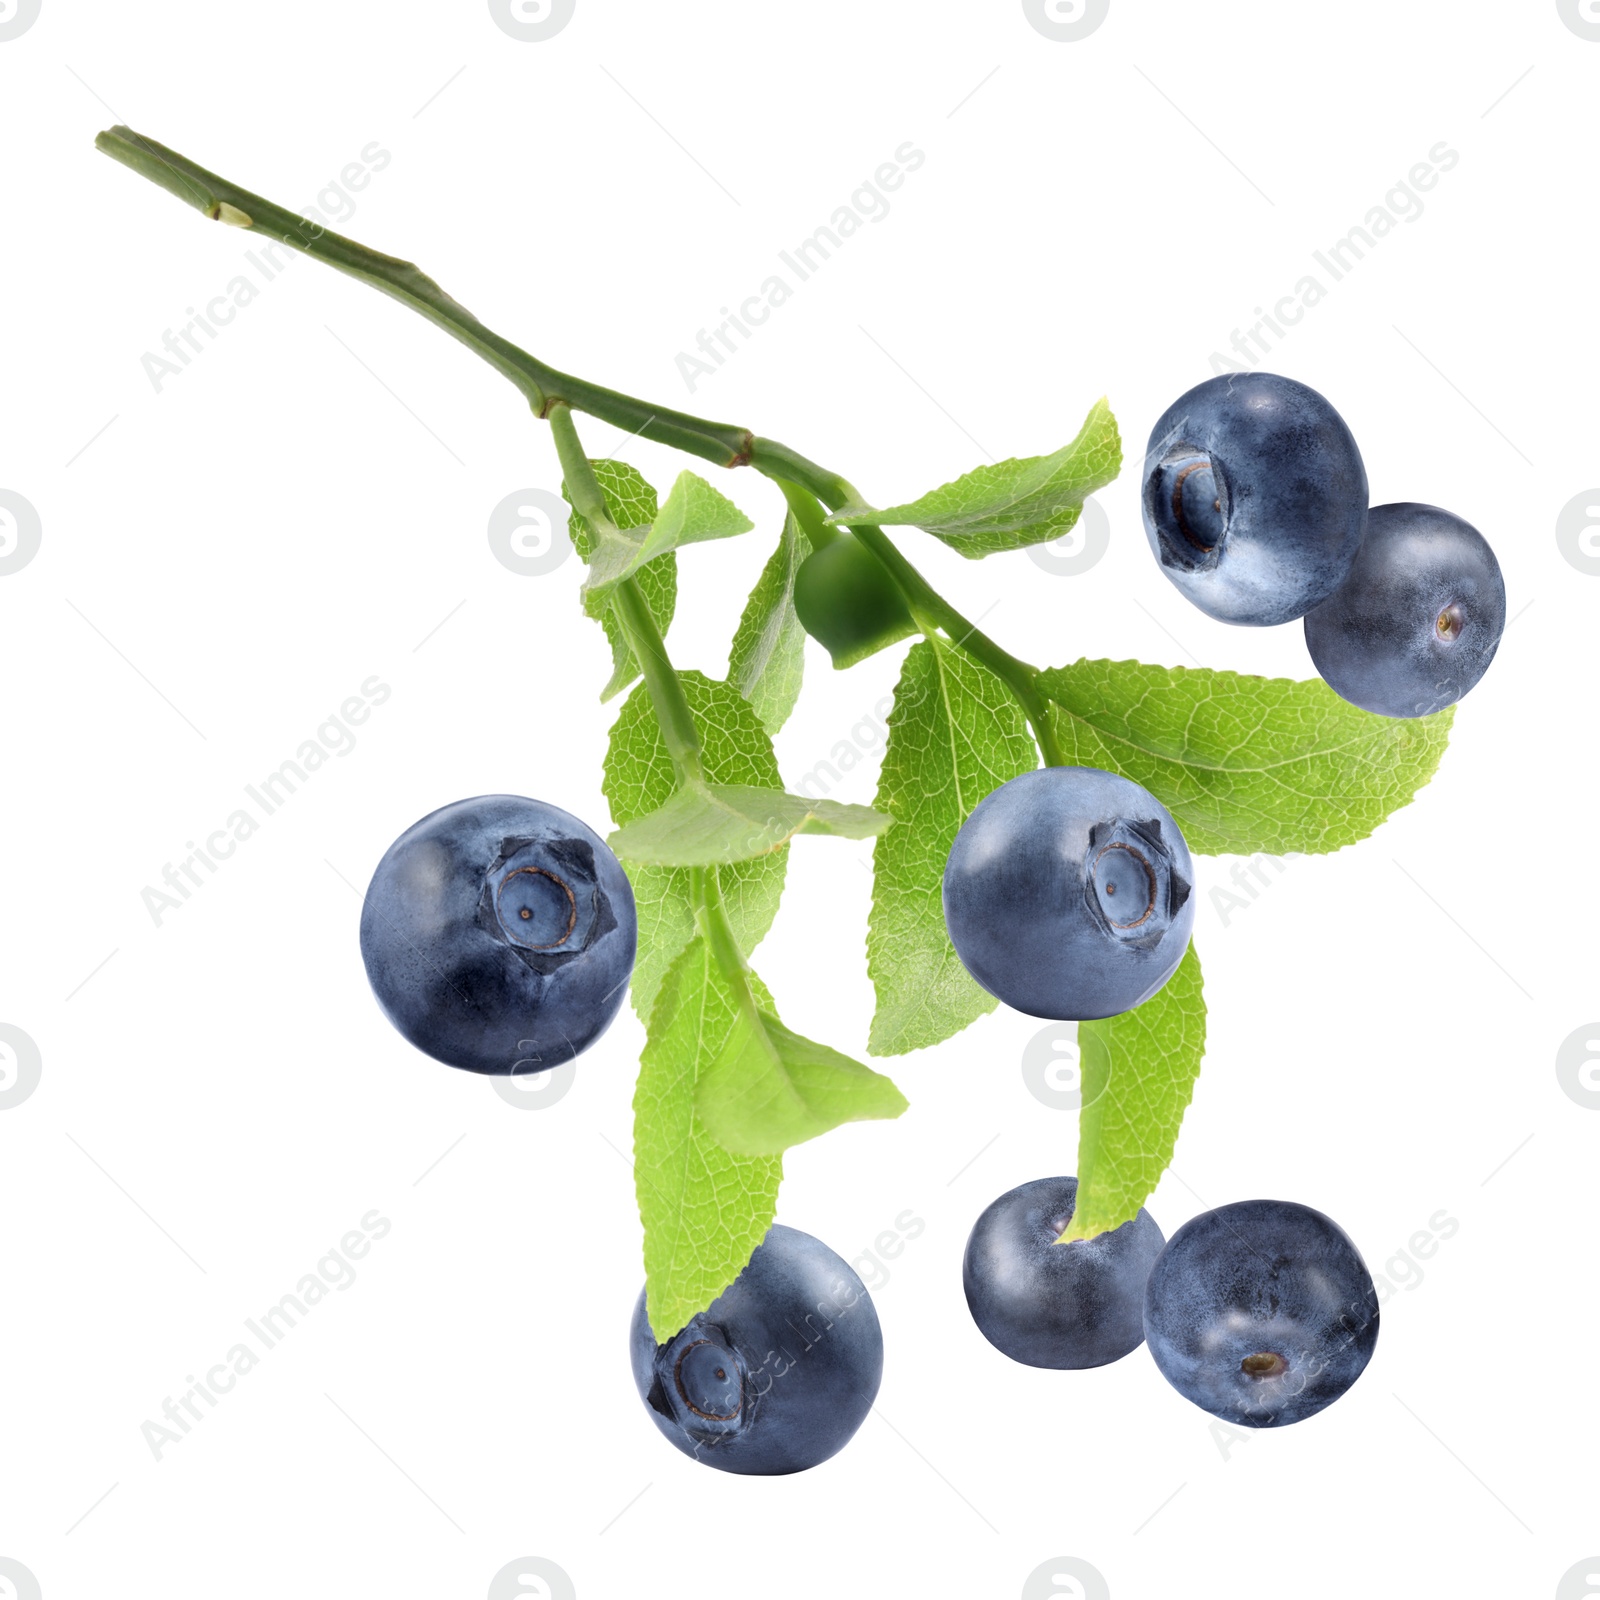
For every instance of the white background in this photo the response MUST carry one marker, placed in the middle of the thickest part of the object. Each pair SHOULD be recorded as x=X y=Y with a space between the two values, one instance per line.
x=306 y=505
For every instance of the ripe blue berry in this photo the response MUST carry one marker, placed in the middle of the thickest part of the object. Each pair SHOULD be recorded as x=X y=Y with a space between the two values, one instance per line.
x=1418 y=620
x=1057 y=1305
x=1261 y=1312
x=778 y=1374
x=1068 y=893
x=499 y=935
x=1255 y=498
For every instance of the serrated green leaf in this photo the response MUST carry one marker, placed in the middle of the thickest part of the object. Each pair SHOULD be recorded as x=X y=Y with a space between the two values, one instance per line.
x=1138 y=1073
x=632 y=504
x=734 y=748
x=766 y=1088
x=711 y=824
x=692 y=513
x=1011 y=504
x=704 y=1210
x=767 y=659
x=1245 y=764
x=955 y=735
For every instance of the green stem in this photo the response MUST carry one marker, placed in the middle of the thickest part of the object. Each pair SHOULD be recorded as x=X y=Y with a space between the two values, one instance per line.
x=629 y=606
x=808 y=514
x=808 y=482
x=667 y=698
x=930 y=609
x=785 y=465
x=718 y=932
x=543 y=385
x=660 y=680
x=578 y=480
x=554 y=394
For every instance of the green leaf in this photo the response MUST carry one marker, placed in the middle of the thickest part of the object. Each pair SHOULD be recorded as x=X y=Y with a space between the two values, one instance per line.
x=769 y=649
x=692 y=512
x=724 y=1088
x=1245 y=764
x=955 y=735
x=1138 y=1074
x=704 y=1210
x=735 y=749
x=632 y=504
x=766 y=1088
x=1011 y=504
x=708 y=825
